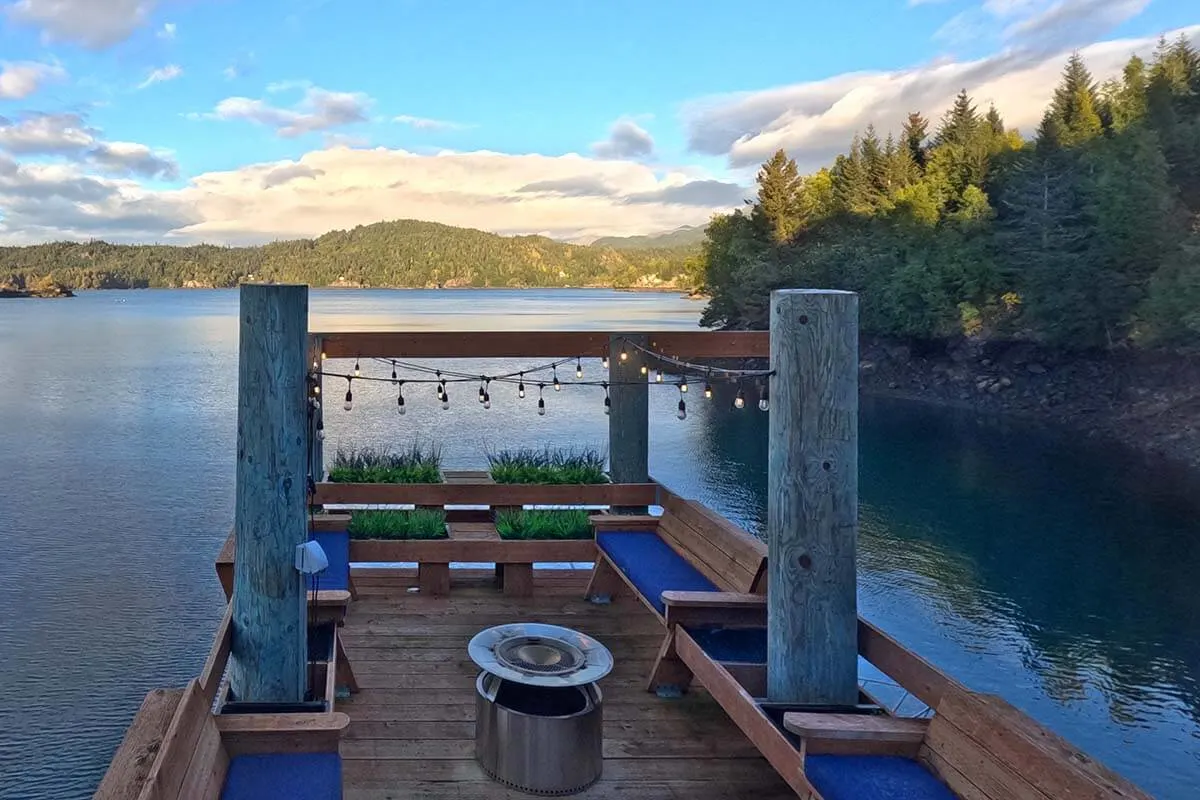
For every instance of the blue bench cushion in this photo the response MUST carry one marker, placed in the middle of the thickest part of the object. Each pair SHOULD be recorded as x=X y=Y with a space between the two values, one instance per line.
x=336 y=545
x=294 y=776
x=651 y=565
x=873 y=778
x=741 y=645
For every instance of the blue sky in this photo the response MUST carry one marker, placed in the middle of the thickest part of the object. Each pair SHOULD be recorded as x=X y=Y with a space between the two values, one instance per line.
x=230 y=120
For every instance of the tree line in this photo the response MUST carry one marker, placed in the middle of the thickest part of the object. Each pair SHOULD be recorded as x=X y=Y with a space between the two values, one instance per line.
x=1086 y=236
x=403 y=253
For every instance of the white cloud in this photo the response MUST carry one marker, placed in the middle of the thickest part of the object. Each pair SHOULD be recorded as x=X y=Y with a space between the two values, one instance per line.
x=320 y=110
x=626 y=139
x=131 y=158
x=95 y=24
x=814 y=121
x=427 y=124
x=19 y=79
x=342 y=187
x=167 y=31
x=69 y=137
x=168 y=73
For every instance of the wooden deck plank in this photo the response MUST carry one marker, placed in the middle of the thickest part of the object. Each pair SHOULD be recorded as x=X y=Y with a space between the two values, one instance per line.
x=131 y=765
x=412 y=726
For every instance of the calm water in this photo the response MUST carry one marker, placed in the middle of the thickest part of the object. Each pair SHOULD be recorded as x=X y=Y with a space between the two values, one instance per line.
x=1060 y=577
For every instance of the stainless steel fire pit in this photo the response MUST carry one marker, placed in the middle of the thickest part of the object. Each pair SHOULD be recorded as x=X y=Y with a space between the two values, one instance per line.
x=539 y=713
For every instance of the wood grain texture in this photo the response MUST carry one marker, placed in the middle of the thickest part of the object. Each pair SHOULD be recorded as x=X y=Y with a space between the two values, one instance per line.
x=218 y=657
x=269 y=641
x=171 y=763
x=629 y=417
x=487 y=494
x=537 y=344
x=871 y=727
x=130 y=766
x=925 y=681
x=248 y=734
x=812 y=498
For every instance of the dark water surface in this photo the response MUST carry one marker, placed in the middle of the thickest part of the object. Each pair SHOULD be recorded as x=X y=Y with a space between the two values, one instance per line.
x=1025 y=563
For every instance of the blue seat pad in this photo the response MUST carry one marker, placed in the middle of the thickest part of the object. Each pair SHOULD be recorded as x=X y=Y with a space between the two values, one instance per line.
x=336 y=545
x=294 y=776
x=873 y=778
x=741 y=645
x=651 y=565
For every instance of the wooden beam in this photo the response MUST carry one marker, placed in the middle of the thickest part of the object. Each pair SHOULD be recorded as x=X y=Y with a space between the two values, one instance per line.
x=218 y=657
x=920 y=678
x=444 y=551
x=629 y=416
x=133 y=760
x=269 y=653
x=486 y=494
x=247 y=734
x=537 y=344
x=812 y=498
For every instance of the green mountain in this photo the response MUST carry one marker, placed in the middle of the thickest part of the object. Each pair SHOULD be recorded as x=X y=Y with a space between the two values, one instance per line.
x=687 y=236
x=402 y=253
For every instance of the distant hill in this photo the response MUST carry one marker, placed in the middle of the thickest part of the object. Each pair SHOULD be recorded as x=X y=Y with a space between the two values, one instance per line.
x=401 y=253
x=687 y=236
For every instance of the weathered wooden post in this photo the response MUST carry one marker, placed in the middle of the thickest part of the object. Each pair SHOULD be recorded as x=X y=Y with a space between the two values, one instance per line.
x=629 y=416
x=812 y=498
x=270 y=633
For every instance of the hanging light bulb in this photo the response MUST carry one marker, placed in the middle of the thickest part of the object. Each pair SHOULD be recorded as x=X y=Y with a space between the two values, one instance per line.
x=521 y=386
x=557 y=385
x=740 y=400
x=317 y=389
x=316 y=364
x=481 y=391
x=320 y=430
x=683 y=387
x=645 y=370
x=400 y=409
x=707 y=389
x=487 y=400
x=445 y=398
x=541 y=401
x=682 y=412
x=658 y=378
x=349 y=404
x=607 y=401
x=357 y=371
x=441 y=387
x=323 y=356
x=393 y=370
x=764 y=400
x=578 y=368
x=624 y=355
x=604 y=362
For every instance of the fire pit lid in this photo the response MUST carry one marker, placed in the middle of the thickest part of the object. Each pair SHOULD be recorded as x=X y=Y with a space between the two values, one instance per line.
x=536 y=654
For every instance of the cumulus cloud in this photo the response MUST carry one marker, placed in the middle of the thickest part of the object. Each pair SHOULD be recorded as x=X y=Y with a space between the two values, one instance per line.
x=571 y=197
x=626 y=139
x=168 y=73
x=319 y=110
x=131 y=158
x=95 y=24
x=19 y=79
x=814 y=121
x=68 y=136
x=427 y=124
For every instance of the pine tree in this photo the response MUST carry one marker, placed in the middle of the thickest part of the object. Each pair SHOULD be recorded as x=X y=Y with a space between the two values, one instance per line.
x=959 y=124
x=778 y=210
x=1075 y=104
x=916 y=130
x=900 y=170
x=1125 y=100
x=874 y=159
x=852 y=182
x=995 y=122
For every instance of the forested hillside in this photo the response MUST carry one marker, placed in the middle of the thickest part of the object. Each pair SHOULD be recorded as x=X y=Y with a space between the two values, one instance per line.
x=401 y=253
x=1085 y=236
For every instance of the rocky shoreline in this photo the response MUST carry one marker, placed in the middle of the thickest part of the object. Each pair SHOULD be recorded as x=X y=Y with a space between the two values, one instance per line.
x=9 y=291
x=1148 y=401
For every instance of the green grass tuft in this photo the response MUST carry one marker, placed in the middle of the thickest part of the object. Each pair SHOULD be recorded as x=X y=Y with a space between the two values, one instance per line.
x=417 y=464
x=421 y=523
x=548 y=466
x=530 y=524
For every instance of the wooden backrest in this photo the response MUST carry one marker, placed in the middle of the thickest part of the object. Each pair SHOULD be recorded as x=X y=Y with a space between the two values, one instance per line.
x=728 y=556
x=982 y=747
x=191 y=761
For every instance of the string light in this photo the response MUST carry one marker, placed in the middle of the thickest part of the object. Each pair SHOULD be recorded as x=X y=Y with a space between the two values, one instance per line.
x=400 y=409
x=521 y=387
x=604 y=362
x=393 y=370
x=481 y=391
x=349 y=404
x=441 y=389
x=764 y=400
x=320 y=430
x=682 y=412
x=323 y=356
x=607 y=401
x=624 y=355
x=707 y=389
x=740 y=400
x=317 y=389
x=541 y=401
x=578 y=369
x=557 y=385
x=487 y=395
x=645 y=370
x=658 y=378
x=357 y=371
x=445 y=398
x=683 y=387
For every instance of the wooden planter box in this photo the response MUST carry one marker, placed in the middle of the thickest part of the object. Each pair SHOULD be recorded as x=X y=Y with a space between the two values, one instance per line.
x=474 y=542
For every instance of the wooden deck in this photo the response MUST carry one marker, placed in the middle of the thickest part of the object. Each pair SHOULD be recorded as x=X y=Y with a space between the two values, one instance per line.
x=411 y=733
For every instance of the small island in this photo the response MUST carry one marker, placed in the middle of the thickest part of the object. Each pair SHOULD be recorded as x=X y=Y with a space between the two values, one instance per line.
x=44 y=287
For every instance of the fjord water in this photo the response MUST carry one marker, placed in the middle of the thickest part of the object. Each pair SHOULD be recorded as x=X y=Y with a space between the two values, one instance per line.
x=1023 y=562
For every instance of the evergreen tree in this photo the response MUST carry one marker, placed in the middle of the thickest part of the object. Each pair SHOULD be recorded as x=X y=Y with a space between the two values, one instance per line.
x=1075 y=104
x=1125 y=99
x=995 y=122
x=959 y=124
x=874 y=159
x=916 y=130
x=852 y=182
x=778 y=211
x=899 y=170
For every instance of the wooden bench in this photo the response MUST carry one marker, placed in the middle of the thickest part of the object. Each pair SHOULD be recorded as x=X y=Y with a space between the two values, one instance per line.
x=190 y=754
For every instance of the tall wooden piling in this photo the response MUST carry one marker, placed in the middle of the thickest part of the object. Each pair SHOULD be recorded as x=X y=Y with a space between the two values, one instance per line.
x=629 y=415
x=812 y=498
x=269 y=648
